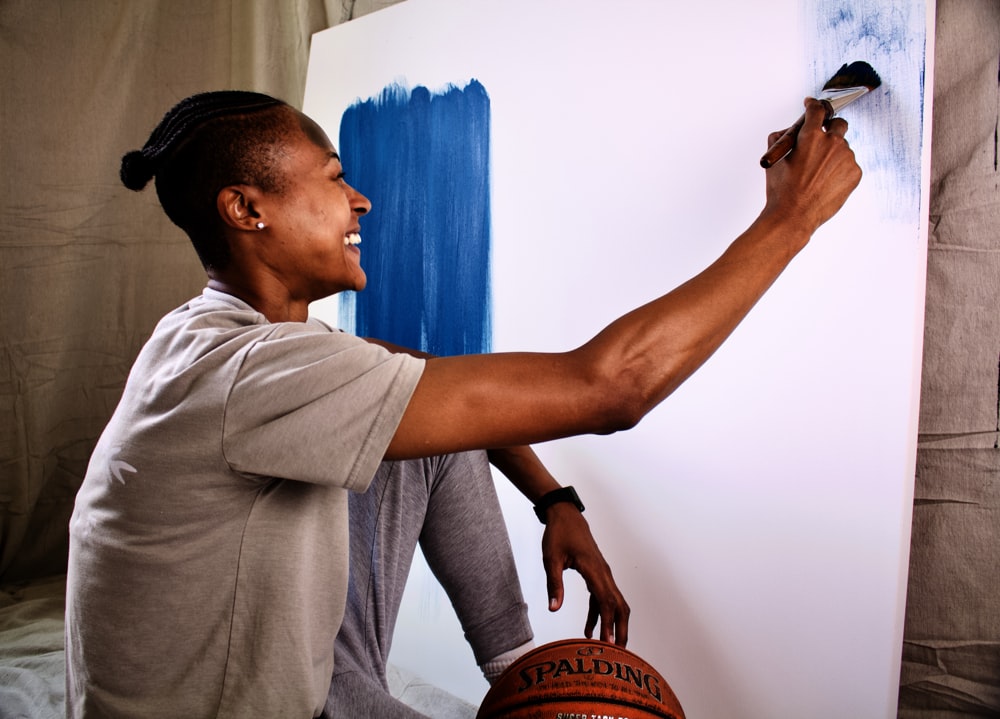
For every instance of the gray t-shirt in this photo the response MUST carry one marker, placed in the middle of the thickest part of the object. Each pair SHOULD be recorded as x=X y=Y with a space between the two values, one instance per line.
x=208 y=546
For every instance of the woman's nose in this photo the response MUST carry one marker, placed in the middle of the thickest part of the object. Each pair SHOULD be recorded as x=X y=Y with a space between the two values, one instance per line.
x=360 y=203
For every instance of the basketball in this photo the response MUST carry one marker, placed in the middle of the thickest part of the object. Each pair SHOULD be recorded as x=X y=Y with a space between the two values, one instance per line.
x=580 y=679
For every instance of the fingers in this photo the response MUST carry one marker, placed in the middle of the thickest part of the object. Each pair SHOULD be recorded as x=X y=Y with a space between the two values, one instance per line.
x=816 y=115
x=613 y=618
x=819 y=114
x=568 y=544
x=607 y=606
x=593 y=614
x=614 y=621
x=554 y=584
x=819 y=124
x=815 y=119
x=836 y=126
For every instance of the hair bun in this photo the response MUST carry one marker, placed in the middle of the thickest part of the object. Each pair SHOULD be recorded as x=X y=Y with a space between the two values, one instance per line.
x=137 y=170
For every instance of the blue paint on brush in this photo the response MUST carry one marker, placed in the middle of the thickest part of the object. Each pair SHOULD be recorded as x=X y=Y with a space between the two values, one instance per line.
x=886 y=128
x=423 y=159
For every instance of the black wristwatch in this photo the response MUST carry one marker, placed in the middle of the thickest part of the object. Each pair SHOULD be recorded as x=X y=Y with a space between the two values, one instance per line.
x=563 y=494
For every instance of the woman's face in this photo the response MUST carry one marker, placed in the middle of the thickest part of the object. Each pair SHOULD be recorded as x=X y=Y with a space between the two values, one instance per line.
x=313 y=220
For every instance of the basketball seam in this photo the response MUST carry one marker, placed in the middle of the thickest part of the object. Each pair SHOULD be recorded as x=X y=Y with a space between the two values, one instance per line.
x=529 y=704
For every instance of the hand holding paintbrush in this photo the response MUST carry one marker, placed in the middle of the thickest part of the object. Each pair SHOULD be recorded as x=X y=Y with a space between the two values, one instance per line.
x=847 y=85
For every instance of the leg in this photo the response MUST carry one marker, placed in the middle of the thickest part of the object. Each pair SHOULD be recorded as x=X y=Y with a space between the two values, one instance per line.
x=424 y=499
x=385 y=524
x=479 y=577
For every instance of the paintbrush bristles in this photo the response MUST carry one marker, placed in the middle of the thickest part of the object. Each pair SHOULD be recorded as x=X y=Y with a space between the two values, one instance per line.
x=857 y=74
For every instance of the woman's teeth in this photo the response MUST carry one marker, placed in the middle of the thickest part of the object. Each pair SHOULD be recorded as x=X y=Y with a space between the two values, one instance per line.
x=353 y=239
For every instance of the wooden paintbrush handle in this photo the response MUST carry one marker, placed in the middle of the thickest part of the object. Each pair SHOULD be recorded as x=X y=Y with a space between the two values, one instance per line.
x=784 y=144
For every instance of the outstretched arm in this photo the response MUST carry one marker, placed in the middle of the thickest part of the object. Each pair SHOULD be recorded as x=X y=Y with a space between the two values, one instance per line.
x=611 y=382
x=567 y=543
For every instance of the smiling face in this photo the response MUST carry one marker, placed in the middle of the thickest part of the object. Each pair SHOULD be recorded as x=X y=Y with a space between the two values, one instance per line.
x=312 y=221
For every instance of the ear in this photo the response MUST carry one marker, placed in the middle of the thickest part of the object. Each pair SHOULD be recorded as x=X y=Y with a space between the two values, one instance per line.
x=238 y=207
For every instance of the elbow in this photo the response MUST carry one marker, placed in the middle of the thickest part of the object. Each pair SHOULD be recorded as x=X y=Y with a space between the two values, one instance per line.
x=620 y=403
x=617 y=423
x=625 y=389
x=623 y=414
x=618 y=388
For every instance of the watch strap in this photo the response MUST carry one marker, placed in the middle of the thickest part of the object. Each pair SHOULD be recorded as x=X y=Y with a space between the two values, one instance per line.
x=563 y=494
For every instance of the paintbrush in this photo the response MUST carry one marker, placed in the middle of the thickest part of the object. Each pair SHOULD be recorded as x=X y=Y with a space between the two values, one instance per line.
x=848 y=84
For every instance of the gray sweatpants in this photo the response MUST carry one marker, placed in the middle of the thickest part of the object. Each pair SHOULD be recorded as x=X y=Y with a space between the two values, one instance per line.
x=449 y=505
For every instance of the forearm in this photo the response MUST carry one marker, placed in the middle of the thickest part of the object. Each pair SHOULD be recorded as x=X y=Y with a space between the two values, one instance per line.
x=522 y=467
x=655 y=348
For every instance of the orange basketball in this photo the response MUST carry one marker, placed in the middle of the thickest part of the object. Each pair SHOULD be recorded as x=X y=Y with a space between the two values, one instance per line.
x=580 y=679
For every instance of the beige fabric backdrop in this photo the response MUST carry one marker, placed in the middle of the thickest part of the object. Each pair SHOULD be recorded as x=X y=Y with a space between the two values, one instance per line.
x=87 y=268
x=951 y=653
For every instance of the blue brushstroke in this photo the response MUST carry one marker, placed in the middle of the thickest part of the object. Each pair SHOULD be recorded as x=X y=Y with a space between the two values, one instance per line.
x=886 y=128
x=422 y=158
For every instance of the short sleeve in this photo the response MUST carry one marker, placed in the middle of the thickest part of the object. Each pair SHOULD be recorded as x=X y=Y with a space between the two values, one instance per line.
x=317 y=406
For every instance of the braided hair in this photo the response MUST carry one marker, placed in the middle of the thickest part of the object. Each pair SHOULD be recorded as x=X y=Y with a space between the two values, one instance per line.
x=204 y=143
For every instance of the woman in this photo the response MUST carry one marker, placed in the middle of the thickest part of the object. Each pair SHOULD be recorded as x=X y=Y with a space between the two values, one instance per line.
x=208 y=561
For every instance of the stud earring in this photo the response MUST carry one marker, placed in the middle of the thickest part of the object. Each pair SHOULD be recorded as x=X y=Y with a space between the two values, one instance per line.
x=260 y=225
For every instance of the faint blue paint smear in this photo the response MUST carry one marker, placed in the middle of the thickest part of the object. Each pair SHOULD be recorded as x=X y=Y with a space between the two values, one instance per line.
x=422 y=158
x=886 y=127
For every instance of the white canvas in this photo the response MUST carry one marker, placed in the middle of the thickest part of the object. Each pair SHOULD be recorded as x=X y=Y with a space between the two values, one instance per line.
x=758 y=521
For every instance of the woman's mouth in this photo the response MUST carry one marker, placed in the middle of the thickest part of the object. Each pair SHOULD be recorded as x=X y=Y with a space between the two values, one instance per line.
x=352 y=239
